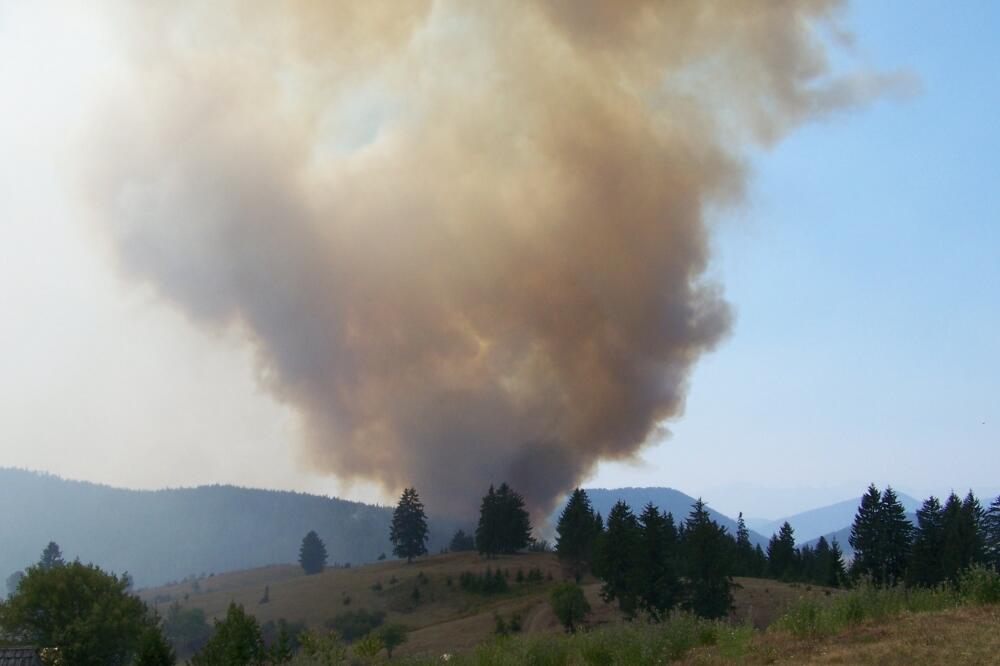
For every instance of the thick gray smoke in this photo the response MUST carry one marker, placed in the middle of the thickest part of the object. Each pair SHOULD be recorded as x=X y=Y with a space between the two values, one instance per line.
x=466 y=239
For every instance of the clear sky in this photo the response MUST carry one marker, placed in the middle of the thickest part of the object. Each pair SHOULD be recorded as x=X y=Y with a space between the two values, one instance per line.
x=864 y=271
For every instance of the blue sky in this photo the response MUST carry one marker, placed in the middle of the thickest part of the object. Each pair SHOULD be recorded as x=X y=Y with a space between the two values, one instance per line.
x=866 y=278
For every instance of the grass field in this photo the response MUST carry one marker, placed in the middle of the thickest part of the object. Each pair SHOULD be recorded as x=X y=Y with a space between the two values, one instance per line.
x=446 y=618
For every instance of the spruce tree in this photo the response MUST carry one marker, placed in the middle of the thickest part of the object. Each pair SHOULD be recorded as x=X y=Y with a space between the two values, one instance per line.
x=991 y=535
x=487 y=537
x=461 y=541
x=954 y=553
x=926 y=567
x=51 y=557
x=897 y=534
x=744 y=556
x=819 y=572
x=974 y=524
x=781 y=553
x=707 y=565
x=408 y=532
x=576 y=533
x=866 y=537
x=312 y=554
x=660 y=588
x=514 y=523
x=617 y=562
x=837 y=573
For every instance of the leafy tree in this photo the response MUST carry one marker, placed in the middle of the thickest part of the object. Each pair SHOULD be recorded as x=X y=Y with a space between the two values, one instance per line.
x=51 y=556
x=81 y=610
x=926 y=568
x=369 y=647
x=462 y=542
x=781 y=553
x=13 y=581
x=327 y=649
x=186 y=628
x=392 y=636
x=897 y=535
x=577 y=533
x=866 y=537
x=707 y=554
x=237 y=641
x=569 y=605
x=312 y=554
x=408 y=532
x=991 y=534
x=660 y=586
x=618 y=559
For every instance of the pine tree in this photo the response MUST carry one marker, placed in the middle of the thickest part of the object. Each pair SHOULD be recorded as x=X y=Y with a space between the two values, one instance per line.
x=51 y=557
x=926 y=567
x=617 y=563
x=660 y=587
x=866 y=537
x=576 y=533
x=991 y=535
x=744 y=556
x=819 y=572
x=837 y=573
x=707 y=564
x=953 y=552
x=781 y=553
x=974 y=523
x=897 y=534
x=514 y=526
x=759 y=562
x=487 y=536
x=408 y=531
x=312 y=554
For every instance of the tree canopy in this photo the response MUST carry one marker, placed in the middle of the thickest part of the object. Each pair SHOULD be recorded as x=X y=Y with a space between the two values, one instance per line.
x=312 y=554
x=408 y=532
x=504 y=525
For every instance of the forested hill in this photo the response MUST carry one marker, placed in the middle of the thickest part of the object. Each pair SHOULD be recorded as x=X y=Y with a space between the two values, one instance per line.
x=164 y=535
x=668 y=500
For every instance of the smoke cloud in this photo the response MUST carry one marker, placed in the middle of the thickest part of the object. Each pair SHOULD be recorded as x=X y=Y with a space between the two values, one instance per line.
x=466 y=240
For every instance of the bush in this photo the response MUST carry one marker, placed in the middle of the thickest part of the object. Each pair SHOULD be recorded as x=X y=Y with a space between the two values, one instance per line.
x=487 y=583
x=352 y=625
x=980 y=585
x=569 y=604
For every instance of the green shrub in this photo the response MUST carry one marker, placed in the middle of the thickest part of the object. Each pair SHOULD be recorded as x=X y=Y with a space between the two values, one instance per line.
x=980 y=585
x=355 y=624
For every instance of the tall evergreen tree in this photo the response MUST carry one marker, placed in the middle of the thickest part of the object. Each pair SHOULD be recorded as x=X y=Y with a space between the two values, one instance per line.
x=617 y=563
x=312 y=554
x=819 y=573
x=781 y=553
x=460 y=541
x=837 y=573
x=926 y=567
x=51 y=557
x=897 y=534
x=504 y=523
x=487 y=531
x=660 y=588
x=576 y=533
x=743 y=564
x=866 y=537
x=975 y=523
x=991 y=535
x=408 y=532
x=954 y=551
x=708 y=565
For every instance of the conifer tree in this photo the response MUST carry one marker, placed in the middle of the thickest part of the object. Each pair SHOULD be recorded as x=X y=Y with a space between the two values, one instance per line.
x=819 y=572
x=408 y=532
x=759 y=561
x=866 y=537
x=51 y=557
x=707 y=564
x=576 y=533
x=312 y=554
x=897 y=534
x=837 y=573
x=781 y=553
x=514 y=523
x=926 y=568
x=991 y=535
x=744 y=556
x=487 y=536
x=974 y=523
x=617 y=563
x=660 y=588
x=954 y=552
x=460 y=541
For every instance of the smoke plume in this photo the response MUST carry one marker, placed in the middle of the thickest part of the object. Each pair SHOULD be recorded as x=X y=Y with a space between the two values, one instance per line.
x=467 y=240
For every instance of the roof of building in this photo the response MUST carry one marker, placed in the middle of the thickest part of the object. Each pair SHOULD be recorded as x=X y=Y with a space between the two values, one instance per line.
x=19 y=656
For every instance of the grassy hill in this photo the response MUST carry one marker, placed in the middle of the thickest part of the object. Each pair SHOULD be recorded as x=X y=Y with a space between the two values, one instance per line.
x=446 y=618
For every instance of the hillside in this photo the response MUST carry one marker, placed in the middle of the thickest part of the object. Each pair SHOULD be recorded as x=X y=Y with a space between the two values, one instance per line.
x=446 y=618
x=668 y=500
x=164 y=535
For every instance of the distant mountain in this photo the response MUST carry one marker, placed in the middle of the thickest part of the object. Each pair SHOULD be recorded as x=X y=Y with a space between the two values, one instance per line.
x=667 y=499
x=164 y=535
x=810 y=525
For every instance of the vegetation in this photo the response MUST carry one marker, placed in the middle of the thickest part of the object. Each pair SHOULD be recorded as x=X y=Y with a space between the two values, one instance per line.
x=408 y=532
x=86 y=613
x=569 y=605
x=186 y=628
x=352 y=625
x=577 y=533
x=504 y=525
x=312 y=554
x=461 y=542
